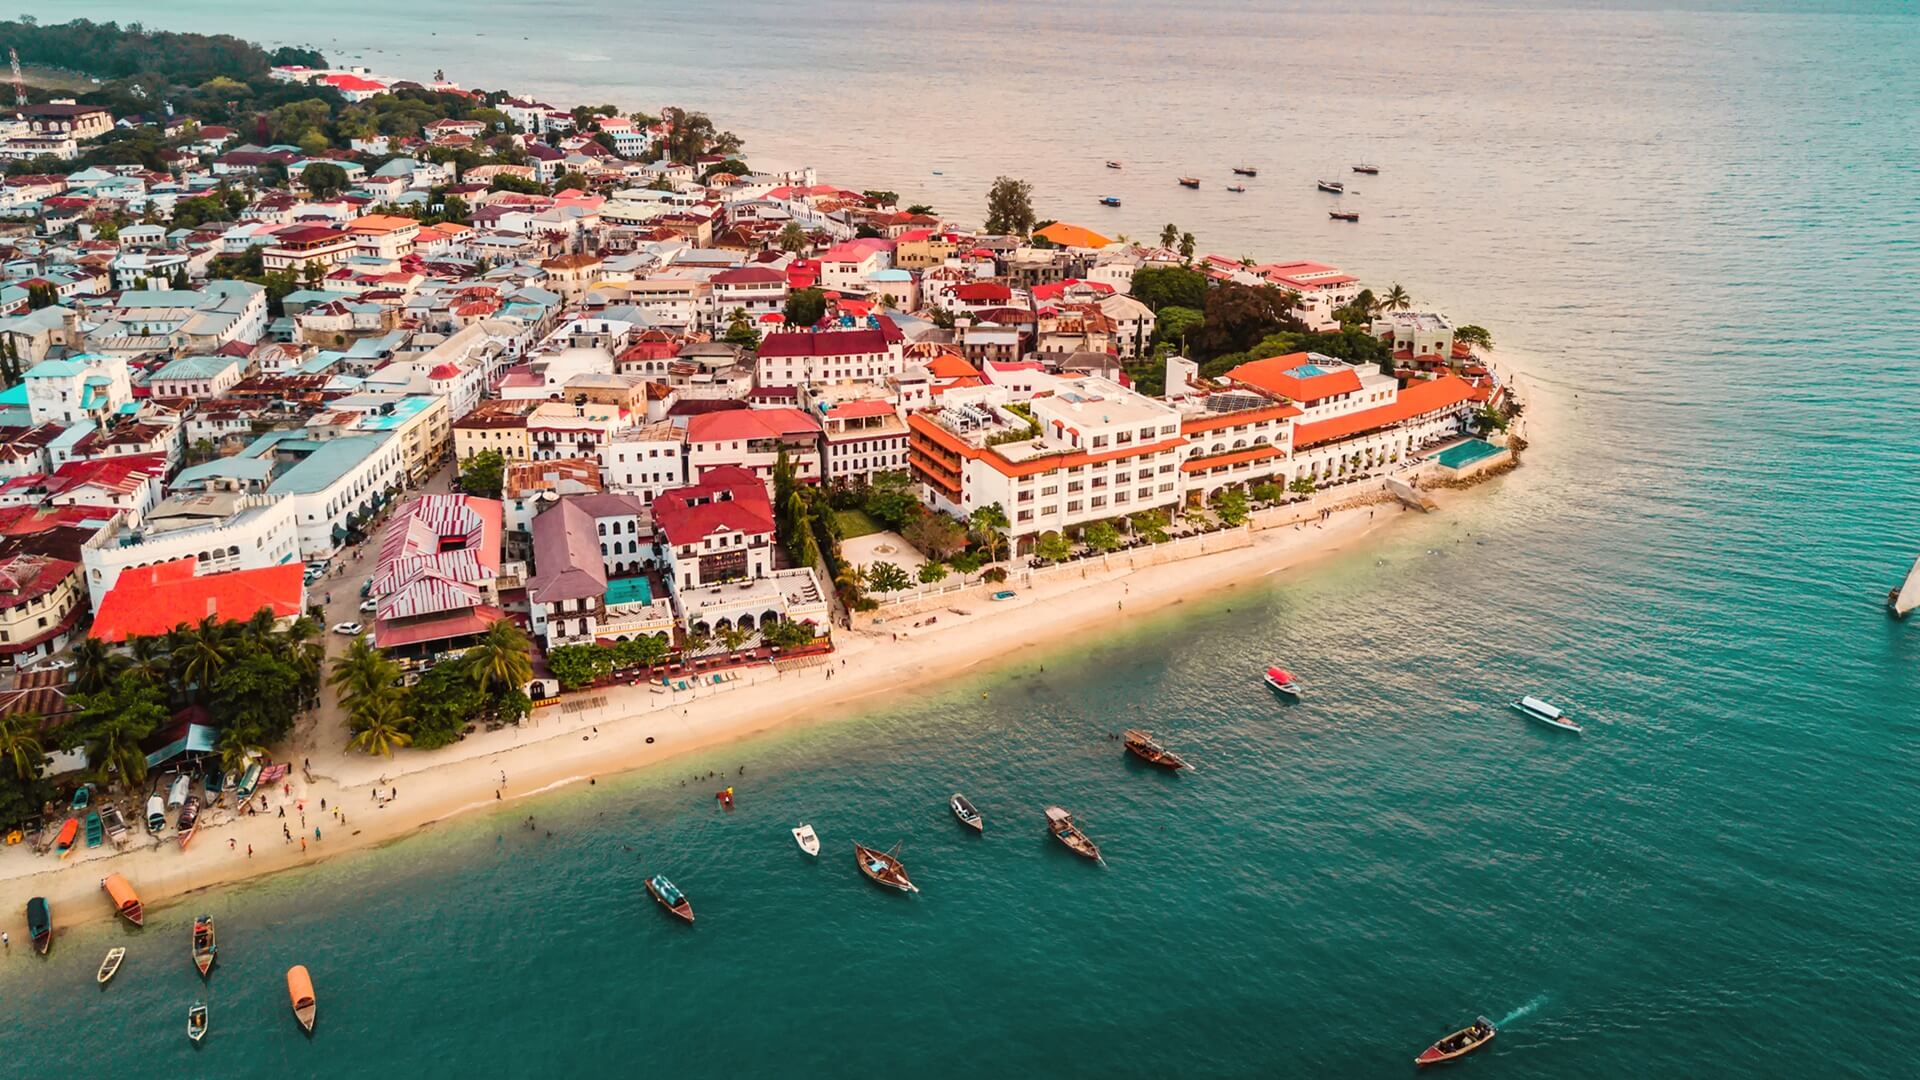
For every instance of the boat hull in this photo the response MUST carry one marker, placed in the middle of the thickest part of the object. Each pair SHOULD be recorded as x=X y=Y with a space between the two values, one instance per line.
x=883 y=869
x=1290 y=689
x=40 y=924
x=110 y=966
x=808 y=840
x=300 y=996
x=1435 y=1055
x=965 y=813
x=1560 y=723
x=204 y=948
x=683 y=910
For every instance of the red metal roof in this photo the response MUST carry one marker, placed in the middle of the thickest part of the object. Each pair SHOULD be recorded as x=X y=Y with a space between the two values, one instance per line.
x=151 y=600
x=823 y=343
x=727 y=499
x=1416 y=400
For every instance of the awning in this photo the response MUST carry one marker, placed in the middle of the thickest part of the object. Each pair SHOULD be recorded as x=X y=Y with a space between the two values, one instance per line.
x=198 y=739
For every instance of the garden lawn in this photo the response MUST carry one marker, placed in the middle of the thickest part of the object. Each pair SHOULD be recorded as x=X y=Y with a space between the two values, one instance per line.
x=855 y=523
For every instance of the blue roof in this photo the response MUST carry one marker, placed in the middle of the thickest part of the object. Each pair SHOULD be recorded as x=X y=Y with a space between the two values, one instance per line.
x=326 y=463
x=55 y=369
x=14 y=395
x=237 y=468
x=194 y=367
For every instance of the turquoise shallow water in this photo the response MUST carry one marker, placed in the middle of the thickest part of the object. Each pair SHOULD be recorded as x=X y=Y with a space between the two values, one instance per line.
x=1700 y=229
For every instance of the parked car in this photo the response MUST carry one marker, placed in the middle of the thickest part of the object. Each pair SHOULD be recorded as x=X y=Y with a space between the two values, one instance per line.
x=368 y=605
x=346 y=629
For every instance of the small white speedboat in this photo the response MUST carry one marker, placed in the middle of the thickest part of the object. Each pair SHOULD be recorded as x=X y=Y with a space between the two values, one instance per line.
x=1535 y=709
x=808 y=840
x=1283 y=681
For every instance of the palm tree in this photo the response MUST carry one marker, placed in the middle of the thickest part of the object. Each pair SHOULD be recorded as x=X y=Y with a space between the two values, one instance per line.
x=379 y=730
x=364 y=675
x=733 y=637
x=301 y=640
x=1396 y=299
x=114 y=750
x=148 y=660
x=499 y=660
x=20 y=743
x=94 y=665
x=1170 y=235
x=990 y=522
x=204 y=650
x=236 y=750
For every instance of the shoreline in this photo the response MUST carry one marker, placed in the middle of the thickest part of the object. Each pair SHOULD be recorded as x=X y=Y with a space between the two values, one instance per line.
x=643 y=727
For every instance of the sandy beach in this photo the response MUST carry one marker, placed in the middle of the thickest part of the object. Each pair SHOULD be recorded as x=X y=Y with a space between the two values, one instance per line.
x=599 y=733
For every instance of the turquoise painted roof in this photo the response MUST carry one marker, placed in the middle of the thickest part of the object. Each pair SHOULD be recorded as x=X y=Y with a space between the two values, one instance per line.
x=14 y=395
x=329 y=461
x=194 y=367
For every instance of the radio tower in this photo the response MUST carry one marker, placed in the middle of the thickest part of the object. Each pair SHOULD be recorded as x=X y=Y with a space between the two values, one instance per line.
x=19 y=81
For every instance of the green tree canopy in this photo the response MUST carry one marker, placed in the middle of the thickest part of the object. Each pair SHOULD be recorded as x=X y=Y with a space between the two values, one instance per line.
x=483 y=474
x=804 y=308
x=1010 y=207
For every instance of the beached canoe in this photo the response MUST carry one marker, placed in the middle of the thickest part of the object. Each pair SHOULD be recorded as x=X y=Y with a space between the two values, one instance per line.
x=126 y=902
x=300 y=995
x=40 y=924
x=1459 y=1044
x=69 y=838
x=96 y=830
x=669 y=896
x=203 y=944
x=808 y=840
x=111 y=965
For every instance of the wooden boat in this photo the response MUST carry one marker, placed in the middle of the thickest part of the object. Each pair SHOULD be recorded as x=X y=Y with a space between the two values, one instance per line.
x=1535 y=709
x=1190 y=181
x=116 y=824
x=111 y=965
x=156 y=814
x=249 y=780
x=40 y=924
x=1237 y=189
x=1459 y=1044
x=883 y=867
x=1109 y=200
x=1246 y=170
x=1113 y=164
x=82 y=795
x=96 y=831
x=1283 y=681
x=1333 y=186
x=68 y=839
x=189 y=820
x=1141 y=744
x=1060 y=824
x=808 y=840
x=182 y=787
x=668 y=896
x=300 y=995
x=1903 y=598
x=963 y=809
x=197 y=1021
x=125 y=900
x=203 y=946
x=725 y=797
x=1343 y=215
x=1370 y=170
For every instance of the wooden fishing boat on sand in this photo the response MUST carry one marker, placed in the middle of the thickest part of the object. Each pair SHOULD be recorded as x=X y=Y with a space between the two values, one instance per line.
x=669 y=896
x=963 y=809
x=68 y=839
x=1143 y=745
x=203 y=944
x=40 y=924
x=111 y=965
x=249 y=780
x=189 y=820
x=300 y=995
x=808 y=840
x=1459 y=1044
x=125 y=901
x=883 y=867
x=156 y=813
x=197 y=1021
x=96 y=829
x=116 y=825
x=1060 y=824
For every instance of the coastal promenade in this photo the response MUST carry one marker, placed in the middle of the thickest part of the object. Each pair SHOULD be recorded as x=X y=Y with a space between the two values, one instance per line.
x=600 y=733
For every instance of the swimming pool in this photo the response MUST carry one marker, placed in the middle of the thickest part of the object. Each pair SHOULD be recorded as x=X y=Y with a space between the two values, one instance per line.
x=1466 y=453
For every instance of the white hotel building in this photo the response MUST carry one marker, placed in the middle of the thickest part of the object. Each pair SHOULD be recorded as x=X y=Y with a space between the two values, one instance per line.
x=1102 y=451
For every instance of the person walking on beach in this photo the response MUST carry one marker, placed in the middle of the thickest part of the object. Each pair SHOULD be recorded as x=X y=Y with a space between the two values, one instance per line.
x=249 y=851
x=303 y=845
x=316 y=834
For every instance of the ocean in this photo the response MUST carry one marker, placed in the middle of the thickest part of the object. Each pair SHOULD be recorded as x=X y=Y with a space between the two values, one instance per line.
x=1695 y=227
